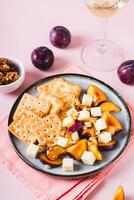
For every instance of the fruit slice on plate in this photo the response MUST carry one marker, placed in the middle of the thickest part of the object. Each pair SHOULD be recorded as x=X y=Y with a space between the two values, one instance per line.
x=98 y=93
x=112 y=121
x=94 y=149
x=86 y=133
x=77 y=126
x=111 y=129
x=108 y=146
x=77 y=149
x=55 y=152
x=109 y=107
x=119 y=195
x=92 y=131
x=53 y=163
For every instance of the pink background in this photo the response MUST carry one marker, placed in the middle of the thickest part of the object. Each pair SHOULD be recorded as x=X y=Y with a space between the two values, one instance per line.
x=25 y=25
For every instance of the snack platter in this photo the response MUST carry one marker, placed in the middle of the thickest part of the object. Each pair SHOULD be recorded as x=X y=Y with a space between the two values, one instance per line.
x=69 y=125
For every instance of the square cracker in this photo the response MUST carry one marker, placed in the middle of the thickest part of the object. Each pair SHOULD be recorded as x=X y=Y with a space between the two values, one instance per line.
x=48 y=129
x=56 y=103
x=70 y=101
x=60 y=88
x=21 y=126
x=39 y=106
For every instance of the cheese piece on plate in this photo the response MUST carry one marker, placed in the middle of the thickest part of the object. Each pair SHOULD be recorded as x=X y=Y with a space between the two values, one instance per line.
x=67 y=164
x=75 y=137
x=32 y=150
x=87 y=100
x=97 y=132
x=105 y=137
x=84 y=115
x=68 y=121
x=96 y=111
x=100 y=124
x=88 y=124
x=72 y=112
x=88 y=158
x=61 y=141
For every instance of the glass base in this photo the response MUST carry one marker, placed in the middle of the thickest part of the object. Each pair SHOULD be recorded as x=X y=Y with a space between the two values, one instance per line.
x=102 y=55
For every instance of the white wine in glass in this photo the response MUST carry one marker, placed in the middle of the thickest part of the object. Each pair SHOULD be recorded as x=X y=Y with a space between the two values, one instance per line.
x=103 y=55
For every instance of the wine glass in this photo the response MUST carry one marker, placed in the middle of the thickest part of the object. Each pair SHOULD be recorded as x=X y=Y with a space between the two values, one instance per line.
x=103 y=55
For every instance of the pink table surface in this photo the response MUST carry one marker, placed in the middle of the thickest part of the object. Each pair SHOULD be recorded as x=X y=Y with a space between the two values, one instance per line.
x=26 y=25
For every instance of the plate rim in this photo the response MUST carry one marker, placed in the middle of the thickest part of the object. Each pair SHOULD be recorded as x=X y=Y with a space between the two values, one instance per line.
x=12 y=110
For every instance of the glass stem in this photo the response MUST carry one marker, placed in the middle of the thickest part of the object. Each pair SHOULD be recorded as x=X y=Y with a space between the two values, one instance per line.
x=105 y=25
x=102 y=47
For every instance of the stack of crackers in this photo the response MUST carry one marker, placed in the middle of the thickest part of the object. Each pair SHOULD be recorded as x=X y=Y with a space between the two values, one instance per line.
x=39 y=118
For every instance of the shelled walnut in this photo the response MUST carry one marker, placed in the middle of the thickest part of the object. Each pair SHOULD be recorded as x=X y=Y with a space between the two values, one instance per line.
x=8 y=72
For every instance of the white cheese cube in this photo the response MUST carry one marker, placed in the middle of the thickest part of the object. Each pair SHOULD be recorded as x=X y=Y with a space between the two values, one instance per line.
x=32 y=150
x=72 y=112
x=84 y=115
x=75 y=137
x=96 y=111
x=84 y=127
x=68 y=121
x=100 y=124
x=88 y=124
x=97 y=132
x=87 y=100
x=61 y=141
x=67 y=164
x=88 y=158
x=105 y=137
